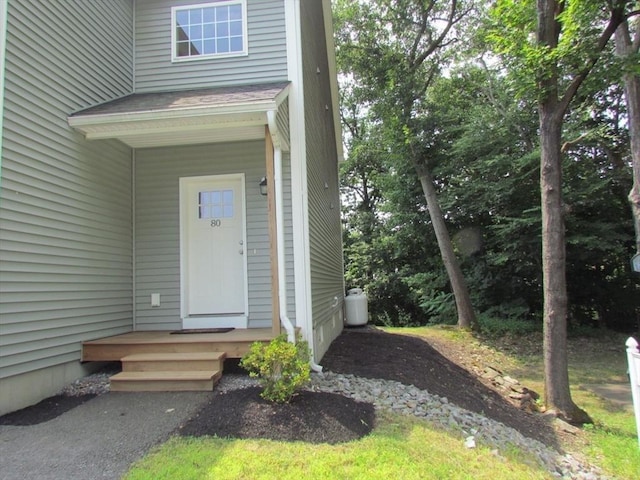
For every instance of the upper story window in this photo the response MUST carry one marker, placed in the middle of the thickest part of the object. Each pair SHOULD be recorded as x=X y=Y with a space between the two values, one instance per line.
x=209 y=30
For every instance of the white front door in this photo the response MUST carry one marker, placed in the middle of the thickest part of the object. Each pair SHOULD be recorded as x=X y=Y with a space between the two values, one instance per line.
x=213 y=251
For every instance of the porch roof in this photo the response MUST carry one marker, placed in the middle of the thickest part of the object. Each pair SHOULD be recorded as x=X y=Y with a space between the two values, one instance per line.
x=183 y=117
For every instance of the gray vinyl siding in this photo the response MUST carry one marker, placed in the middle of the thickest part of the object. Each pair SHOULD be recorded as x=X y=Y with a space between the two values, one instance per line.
x=65 y=203
x=266 y=60
x=282 y=120
x=325 y=237
x=157 y=173
x=288 y=233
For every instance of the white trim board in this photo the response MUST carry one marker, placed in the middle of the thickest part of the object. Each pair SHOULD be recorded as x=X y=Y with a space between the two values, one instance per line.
x=300 y=218
x=235 y=321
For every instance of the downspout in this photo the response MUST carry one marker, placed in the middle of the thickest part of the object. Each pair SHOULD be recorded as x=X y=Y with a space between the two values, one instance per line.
x=277 y=179
x=134 y=256
x=282 y=274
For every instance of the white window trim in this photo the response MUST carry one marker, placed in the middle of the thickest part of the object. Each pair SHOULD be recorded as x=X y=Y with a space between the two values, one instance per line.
x=174 y=45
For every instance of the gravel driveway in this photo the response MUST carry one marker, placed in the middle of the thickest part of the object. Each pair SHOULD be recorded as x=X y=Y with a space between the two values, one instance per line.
x=96 y=440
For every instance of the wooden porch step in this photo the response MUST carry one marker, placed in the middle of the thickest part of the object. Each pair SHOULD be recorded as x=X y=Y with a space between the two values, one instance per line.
x=172 y=361
x=159 y=381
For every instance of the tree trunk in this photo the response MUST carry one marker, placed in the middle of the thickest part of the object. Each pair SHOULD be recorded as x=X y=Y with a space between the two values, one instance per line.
x=625 y=49
x=466 y=316
x=556 y=366
x=551 y=112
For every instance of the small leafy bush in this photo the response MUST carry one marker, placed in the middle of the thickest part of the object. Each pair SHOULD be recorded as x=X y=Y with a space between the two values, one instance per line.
x=281 y=367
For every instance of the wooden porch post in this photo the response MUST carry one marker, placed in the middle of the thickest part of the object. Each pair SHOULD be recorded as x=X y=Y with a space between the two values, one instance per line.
x=273 y=238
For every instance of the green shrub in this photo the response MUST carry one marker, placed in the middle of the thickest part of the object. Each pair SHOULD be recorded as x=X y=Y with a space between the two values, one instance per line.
x=493 y=326
x=281 y=367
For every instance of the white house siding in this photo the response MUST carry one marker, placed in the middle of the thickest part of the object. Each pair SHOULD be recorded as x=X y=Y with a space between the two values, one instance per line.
x=65 y=204
x=325 y=237
x=266 y=61
x=157 y=173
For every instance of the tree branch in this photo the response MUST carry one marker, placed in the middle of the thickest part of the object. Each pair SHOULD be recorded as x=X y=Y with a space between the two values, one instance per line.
x=423 y=28
x=635 y=46
x=570 y=143
x=451 y=21
x=353 y=129
x=617 y=17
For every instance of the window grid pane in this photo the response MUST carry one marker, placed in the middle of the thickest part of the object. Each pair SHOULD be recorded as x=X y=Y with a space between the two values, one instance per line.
x=209 y=30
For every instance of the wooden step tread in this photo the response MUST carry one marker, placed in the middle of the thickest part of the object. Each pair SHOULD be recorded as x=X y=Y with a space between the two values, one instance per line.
x=165 y=376
x=166 y=381
x=172 y=356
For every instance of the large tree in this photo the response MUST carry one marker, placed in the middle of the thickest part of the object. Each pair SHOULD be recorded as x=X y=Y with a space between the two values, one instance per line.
x=627 y=48
x=395 y=48
x=569 y=36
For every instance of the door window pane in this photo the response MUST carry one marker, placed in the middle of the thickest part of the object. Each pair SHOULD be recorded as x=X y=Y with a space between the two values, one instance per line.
x=215 y=204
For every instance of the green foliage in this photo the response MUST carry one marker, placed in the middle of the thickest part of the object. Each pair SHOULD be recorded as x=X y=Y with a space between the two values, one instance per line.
x=492 y=324
x=441 y=308
x=492 y=186
x=510 y=31
x=477 y=129
x=281 y=367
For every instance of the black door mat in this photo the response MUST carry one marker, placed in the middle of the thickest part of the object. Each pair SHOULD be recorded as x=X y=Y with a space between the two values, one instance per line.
x=203 y=330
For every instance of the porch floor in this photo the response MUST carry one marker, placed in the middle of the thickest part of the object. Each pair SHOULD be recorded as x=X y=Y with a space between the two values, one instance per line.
x=234 y=343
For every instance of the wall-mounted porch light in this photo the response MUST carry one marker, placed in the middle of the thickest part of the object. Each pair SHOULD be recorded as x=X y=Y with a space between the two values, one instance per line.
x=263 y=186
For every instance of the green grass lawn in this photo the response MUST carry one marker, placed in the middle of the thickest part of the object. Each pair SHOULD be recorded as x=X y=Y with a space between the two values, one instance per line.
x=611 y=442
x=410 y=448
x=399 y=447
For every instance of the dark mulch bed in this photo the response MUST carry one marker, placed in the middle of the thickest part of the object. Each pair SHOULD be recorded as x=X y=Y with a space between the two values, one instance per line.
x=312 y=417
x=372 y=353
x=46 y=410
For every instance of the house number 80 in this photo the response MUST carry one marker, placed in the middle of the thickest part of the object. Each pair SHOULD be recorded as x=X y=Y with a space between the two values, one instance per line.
x=216 y=223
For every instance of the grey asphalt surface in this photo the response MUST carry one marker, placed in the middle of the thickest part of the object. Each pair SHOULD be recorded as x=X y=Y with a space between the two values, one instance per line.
x=617 y=393
x=99 y=439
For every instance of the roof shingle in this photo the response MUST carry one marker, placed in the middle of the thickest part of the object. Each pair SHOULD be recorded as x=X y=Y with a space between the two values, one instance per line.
x=188 y=99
